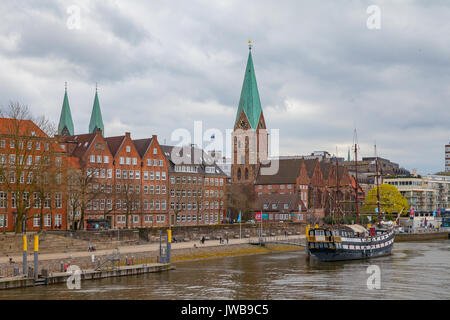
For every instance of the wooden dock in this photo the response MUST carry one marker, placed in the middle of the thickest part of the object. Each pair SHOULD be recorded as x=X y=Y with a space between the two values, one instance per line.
x=61 y=277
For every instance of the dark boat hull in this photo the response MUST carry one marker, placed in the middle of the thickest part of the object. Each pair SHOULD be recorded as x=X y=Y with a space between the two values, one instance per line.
x=355 y=248
x=347 y=254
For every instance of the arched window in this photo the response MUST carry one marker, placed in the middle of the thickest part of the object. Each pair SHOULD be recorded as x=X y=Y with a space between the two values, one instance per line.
x=239 y=174
x=246 y=174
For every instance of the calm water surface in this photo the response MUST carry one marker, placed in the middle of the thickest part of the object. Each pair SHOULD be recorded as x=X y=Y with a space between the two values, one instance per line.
x=414 y=271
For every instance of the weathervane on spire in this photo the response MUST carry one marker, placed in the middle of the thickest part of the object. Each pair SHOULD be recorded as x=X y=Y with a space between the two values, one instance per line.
x=250 y=44
x=65 y=85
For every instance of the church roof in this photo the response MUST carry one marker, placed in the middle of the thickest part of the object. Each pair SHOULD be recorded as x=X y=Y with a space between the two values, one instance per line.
x=96 y=116
x=249 y=101
x=65 y=121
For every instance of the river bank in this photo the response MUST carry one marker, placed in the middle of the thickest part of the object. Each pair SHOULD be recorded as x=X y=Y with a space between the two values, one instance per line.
x=193 y=254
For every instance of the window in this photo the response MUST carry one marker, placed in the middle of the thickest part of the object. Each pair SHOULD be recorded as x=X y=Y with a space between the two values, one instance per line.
x=2 y=144
x=118 y=173
x=99 y=159
x=109 y=175
x=134 y=161
x=124 y=174
x=128 y=160
x=138 y=175
x=3 y=220
x=92 y=158
x=172 y=180
x=58 y=219
x=145 y=175
x=157 y=175
x=131 y=176
x=149 y=162
x=155 y=162
x=161 y=163
x=3 y=199
x=121 y=160
x=152 y=175
x=163 y=175
x=36 y=221
x=155 y=151
x=128 y=149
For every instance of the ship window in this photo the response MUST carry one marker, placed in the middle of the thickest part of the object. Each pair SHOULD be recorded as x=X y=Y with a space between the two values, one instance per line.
x=320 y=245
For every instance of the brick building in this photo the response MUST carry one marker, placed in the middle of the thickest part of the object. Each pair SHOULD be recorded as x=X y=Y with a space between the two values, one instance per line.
x=32 y=177
x=197 y=190
x=124 y=183
x=301 y=189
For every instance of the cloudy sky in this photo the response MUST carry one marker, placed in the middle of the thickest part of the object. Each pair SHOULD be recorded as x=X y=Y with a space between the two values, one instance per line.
x=161 y=65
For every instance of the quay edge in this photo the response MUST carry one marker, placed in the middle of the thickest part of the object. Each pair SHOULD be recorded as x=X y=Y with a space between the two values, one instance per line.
x=61 y=277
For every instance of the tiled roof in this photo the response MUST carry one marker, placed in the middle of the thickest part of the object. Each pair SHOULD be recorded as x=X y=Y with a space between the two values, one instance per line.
x=114 y=143
x=142 y=145
x=9 y=126
x=288 y=171
x=200 y=162
x=78 y=144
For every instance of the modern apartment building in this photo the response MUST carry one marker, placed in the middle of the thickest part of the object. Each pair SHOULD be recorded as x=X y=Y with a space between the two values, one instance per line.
x=426 y=193
x=447 y=157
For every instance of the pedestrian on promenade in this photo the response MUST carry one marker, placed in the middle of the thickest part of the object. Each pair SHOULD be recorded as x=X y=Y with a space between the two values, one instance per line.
x=227 y=239
x=220 y=239
x=203 y=240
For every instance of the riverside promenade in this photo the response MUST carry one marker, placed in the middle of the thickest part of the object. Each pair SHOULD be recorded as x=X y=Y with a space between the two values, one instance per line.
x=134 y=249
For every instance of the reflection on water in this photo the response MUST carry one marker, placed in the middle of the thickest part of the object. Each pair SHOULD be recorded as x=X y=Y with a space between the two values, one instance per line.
x=413 y=271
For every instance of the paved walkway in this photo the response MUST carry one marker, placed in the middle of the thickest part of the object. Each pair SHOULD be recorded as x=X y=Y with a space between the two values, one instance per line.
x=141 y=248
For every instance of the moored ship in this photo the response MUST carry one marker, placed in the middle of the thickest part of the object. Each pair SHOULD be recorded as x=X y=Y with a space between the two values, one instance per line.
x=349 y=242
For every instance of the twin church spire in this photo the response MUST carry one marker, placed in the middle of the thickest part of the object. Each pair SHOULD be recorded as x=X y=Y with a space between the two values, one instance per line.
x=66 y=128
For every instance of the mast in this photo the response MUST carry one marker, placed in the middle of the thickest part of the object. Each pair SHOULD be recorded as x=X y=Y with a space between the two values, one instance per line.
x=337 y=193
x=356 y=179
x=376 y=179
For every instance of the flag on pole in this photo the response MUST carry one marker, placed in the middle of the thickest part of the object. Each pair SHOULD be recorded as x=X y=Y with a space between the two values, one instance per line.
x=239 y=218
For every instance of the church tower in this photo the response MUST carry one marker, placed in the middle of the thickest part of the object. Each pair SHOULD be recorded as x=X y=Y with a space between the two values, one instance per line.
x=249 y=132
x=65 y=126
x=96 y=116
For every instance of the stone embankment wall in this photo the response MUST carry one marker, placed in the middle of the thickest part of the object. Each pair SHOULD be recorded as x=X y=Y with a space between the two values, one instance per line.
x=421 y=236
x=183 y=233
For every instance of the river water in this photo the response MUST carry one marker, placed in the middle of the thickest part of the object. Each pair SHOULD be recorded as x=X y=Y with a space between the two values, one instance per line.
x=415 y=270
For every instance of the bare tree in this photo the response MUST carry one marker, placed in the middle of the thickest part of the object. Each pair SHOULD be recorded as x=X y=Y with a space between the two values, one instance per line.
x=242 y=198
x=28 y=167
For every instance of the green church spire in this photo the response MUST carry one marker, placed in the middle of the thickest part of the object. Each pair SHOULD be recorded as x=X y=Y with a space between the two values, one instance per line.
x=96 y=116
x=249 y=101
x=65 y=126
